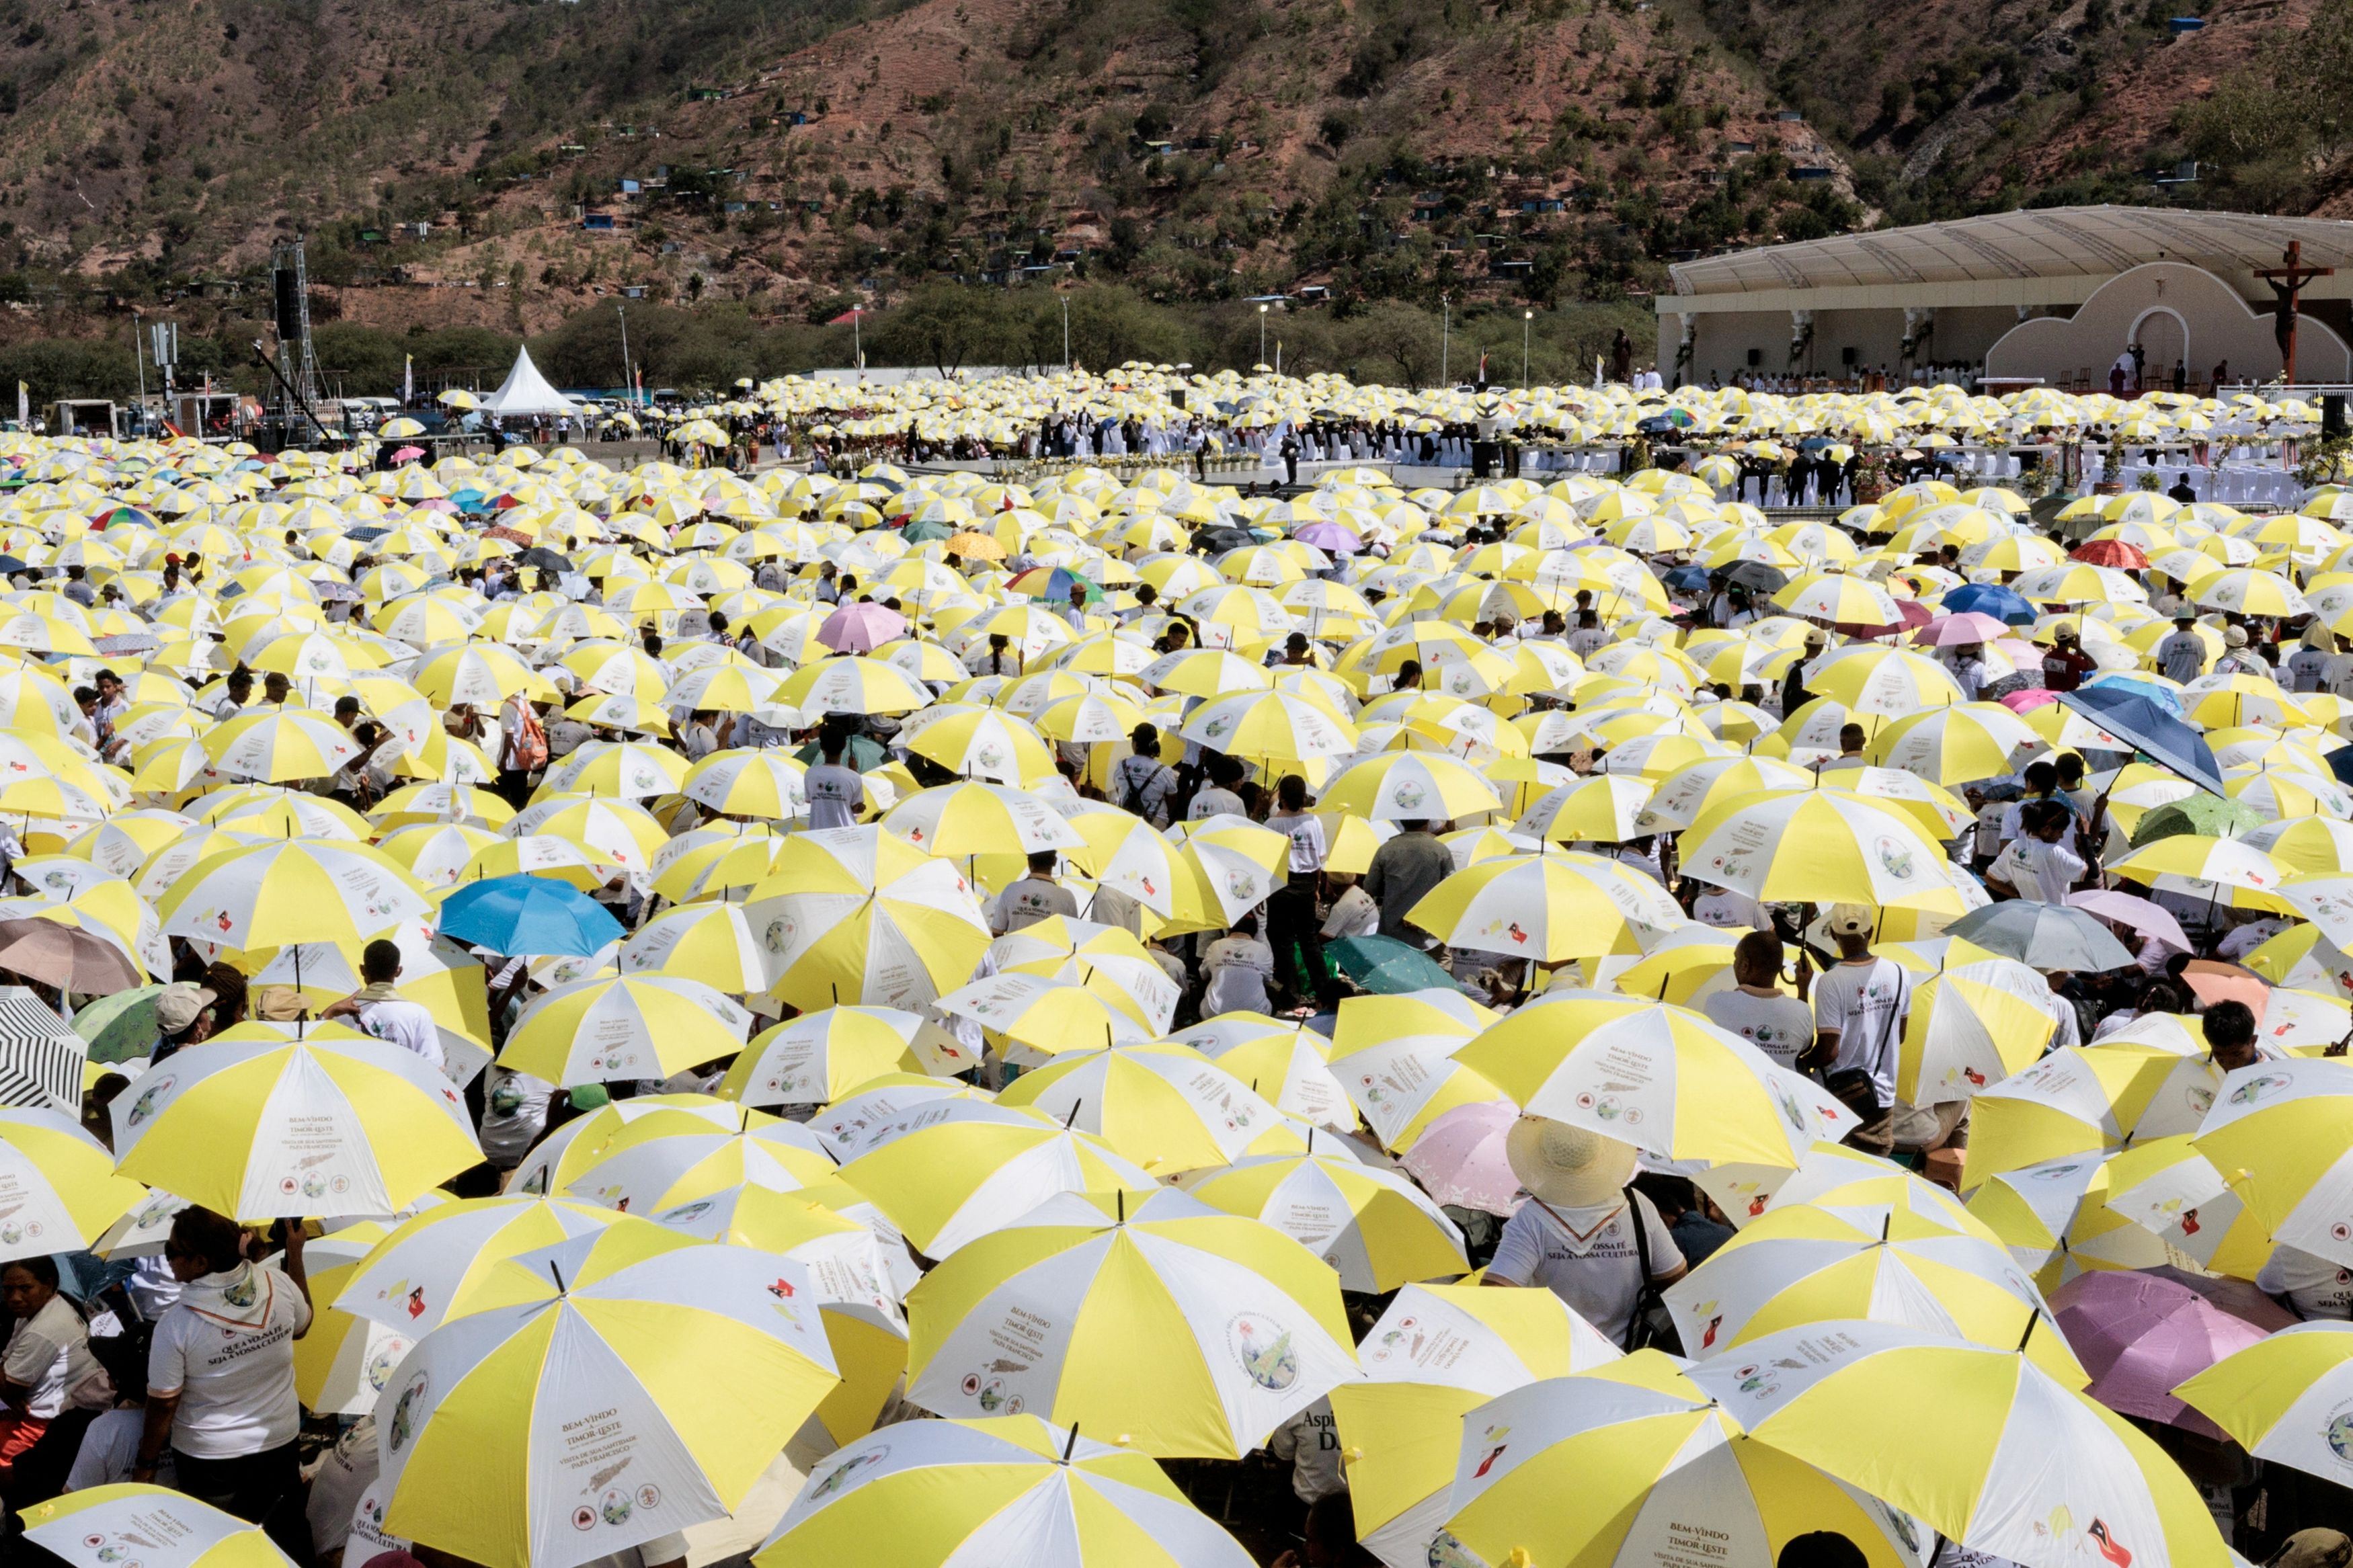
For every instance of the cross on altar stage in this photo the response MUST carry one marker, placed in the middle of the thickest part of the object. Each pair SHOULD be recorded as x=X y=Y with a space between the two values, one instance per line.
x=2288 y=282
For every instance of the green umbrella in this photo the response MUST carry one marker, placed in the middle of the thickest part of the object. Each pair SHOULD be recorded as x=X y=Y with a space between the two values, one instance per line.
x=120 y=1027
x=863 y=755
x=925 y=530
x=1385 y=966
x=2210 y=815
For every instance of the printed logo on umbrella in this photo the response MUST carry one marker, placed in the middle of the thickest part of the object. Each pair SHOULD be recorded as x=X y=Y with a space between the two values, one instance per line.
x=407 y=1411
x=1265 y=1349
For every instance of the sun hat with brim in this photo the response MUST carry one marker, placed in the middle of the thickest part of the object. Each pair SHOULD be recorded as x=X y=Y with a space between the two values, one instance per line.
x=1567 y=1166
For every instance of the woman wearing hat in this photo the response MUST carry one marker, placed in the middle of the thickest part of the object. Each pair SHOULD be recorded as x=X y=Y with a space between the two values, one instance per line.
x=1577 y=1234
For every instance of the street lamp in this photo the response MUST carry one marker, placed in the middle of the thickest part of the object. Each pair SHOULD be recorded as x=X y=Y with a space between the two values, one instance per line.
x=1445 y=336
x=1065 y=300
x=628 y=378
x=1261 y=334
x=1527 y=319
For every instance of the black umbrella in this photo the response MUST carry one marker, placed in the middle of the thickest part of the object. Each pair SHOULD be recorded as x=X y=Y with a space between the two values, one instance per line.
x=1219 y=540
x=543 y=558
x=1756 y=577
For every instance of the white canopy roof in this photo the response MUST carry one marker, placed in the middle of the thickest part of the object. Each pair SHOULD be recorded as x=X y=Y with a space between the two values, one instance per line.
x=2049 y=242
x=525 y=391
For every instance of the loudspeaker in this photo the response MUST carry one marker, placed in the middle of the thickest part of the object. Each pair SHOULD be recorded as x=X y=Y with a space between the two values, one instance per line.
x=2332 y=415
x=287 y=291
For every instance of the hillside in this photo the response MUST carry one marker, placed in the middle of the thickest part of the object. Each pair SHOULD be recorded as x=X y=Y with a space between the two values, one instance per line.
x=460 y=163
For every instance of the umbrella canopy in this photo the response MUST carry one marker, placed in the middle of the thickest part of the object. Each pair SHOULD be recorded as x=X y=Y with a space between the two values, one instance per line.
x=2142 y=725
x=2047 y=936
x=523 y=913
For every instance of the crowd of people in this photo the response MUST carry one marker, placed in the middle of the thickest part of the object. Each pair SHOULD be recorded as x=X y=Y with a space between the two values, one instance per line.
x=1321 y=1019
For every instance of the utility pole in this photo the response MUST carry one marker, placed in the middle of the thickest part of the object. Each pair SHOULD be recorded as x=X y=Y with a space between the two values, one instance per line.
x=629 y=373
x=1527 y=320
x=857 y=336
x=139 y=353
x=1064 y=300
x=1261 y=334
x=1445 y=337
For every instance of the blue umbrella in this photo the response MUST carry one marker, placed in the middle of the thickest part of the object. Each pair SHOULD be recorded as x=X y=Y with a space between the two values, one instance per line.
x=1991 y=599
x=1687 y=577
x=2149 y=729
x=537 y=916
x=2165 y=696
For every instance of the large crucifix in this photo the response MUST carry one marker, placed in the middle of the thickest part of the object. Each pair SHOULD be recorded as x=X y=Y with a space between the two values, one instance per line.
x=2288 y=282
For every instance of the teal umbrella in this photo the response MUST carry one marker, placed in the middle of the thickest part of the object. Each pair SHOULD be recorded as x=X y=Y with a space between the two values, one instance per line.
x=925 y=530
x=120 y=1027
x=1385 y=966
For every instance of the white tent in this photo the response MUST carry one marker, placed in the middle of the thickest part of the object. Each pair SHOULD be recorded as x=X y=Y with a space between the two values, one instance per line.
x=526 y=392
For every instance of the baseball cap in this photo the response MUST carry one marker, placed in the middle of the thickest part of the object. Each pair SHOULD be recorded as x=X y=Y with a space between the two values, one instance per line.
x=2236 y=636
x=178 y=1004
x=1851 y=920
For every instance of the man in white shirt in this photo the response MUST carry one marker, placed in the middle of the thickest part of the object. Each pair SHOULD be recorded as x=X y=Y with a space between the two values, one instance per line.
x=1352 y=911
x=2238 y=659
x=1219 y=799
x=1576 y=1235
x=1757 y=1009
x=1590 y=638
x=1860 y=1004
x=2182 y=657
x=1034 y=897
x=1850 y=744
x=2037 y=866
x=834 y=791
x=1142 y=783
x=383 y=1012
x=1236 y=969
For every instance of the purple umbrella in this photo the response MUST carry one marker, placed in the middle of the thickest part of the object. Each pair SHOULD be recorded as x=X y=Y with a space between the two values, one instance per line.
x=2139 y=1334
x=1459 y=1158
x=861 y=627
x=2134 y=914
x=1960 y=629
x=1334 y=537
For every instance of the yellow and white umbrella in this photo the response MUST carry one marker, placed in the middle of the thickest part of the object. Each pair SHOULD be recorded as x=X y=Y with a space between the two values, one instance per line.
x=1011 y=1488
x=1246 y=1323
x=1375 y=1227
x=132 y=1525
x=947 y=1170
x=505 y=1430
x=1651 y=1451
x=1439 y=1352
x=1832 y=1395
x=436 y=1263
x=858 y=915
x=819 y=1057
x=265 y=1127
x=273 y=894
x=619 y=1028
x=1661 y=1077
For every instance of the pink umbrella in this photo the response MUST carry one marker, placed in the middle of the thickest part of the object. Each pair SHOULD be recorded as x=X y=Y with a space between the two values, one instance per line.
x=1338 y=538
x=2137 y=915
x=1459 y=1158
x=2028 y=701
x=1959 y=629
x=861 y=627
x=405 y=453
x=2141 y=1333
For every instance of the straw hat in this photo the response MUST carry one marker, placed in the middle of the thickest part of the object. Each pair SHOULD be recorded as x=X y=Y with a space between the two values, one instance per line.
x=1566 y=1167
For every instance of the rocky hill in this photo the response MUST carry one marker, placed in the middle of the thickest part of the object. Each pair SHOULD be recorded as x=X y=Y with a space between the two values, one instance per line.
x=502 y=162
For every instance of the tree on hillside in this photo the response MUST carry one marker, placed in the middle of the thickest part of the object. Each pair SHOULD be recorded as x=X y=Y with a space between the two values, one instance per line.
x=948 y=326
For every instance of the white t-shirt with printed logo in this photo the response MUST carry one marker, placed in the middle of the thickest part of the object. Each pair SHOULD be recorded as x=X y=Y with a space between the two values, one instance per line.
x=1781 y=1026
x=2318 y=1288
x=234 y=1379
x=1585 y=1256
x=1864 y=1005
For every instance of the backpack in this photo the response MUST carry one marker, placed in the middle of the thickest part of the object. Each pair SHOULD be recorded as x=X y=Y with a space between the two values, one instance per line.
x=527 y=746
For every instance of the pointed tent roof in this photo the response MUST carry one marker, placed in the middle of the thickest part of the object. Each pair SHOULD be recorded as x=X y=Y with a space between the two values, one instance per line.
x=525 y=391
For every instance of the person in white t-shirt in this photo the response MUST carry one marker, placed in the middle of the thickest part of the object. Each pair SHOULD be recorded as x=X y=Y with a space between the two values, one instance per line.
x=1236 y=970
x=2317 y=1288
x=1758 y=1009
x=834 y=791
x=1576 y=1235
x=1310 y=1441
x=46 y=1370
x=382 y=1011
x=2038 y=865
x=220 y=1372
x=1352 y=911
x=1860 y=1004
x=1727 y=911
x=1034 y=897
